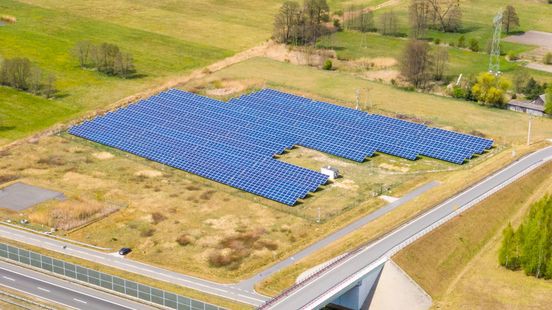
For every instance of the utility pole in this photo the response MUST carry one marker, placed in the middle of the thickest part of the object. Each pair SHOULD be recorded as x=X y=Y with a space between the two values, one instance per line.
x=318 y=220
x=529 y=131
x=357 y=93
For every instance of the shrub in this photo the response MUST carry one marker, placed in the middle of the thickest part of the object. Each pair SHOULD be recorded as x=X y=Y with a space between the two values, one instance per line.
x=157 y=217
x=184 y=240
x=490 y=89
x=547 y=59
x=437 y=41
x=52 y=160
x=327 y=65
x=474 y=45
x=458 y=92
x=461 y=42
x=452 y=44
x=511 y=55
x=147 y=232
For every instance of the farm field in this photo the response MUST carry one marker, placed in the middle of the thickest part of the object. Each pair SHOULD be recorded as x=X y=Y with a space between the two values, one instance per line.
x=457 y=264
x=155 y=205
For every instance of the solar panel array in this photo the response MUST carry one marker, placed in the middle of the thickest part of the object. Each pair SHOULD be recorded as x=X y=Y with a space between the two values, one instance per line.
x=234 y=143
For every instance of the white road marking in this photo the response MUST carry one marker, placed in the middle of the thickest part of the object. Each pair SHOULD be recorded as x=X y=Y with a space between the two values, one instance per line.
x=8 y=278
x=43 y=289
x=78 y=300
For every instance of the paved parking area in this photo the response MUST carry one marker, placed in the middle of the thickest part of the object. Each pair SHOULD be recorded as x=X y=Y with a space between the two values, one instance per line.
x=20 y=196
x=538 y=38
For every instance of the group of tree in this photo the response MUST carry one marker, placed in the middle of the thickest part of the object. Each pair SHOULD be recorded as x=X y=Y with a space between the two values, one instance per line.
x=420 y=65
x=106 y=58
x=527 y=85
x=356 y=18
x=442 y=15
x=21 y=74
x=530 y=246
x=300 y=25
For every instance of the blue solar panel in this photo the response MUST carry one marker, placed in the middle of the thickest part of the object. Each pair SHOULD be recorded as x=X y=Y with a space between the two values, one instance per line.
x=234 y=143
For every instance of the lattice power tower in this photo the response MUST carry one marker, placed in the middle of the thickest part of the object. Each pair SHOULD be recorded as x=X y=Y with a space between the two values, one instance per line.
x=494 y=62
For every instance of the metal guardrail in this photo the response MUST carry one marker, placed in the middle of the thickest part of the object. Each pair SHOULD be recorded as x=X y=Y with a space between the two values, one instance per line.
x=408 y=241
x=103 y=280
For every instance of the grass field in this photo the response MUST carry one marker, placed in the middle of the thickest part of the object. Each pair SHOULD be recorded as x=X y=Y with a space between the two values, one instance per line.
x=348 y=46
x=208 y=213
x=457 y=264
x=47 y=36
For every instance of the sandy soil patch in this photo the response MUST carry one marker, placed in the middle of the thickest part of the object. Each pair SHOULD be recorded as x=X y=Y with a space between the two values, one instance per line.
x=298 y=56
x=227 y=222
x=103 y=155
x=346 y=184
x=394 y=168
x=227 y=88
x=83 y=181
x=383 y=75
x=149 y=173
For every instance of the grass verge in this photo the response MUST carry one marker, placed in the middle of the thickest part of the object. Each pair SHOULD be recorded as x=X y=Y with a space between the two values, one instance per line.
x=438 y=259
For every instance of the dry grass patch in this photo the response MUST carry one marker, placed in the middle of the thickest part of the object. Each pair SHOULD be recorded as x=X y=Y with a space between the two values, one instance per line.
x=68 y=215
x=437 y=259
x=9 y=19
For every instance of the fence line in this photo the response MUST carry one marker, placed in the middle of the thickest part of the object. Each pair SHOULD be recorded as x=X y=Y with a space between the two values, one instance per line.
x=103 y=280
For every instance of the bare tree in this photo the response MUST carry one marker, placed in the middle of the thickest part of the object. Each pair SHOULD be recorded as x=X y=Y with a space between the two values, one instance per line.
x=83 y=51
x=388 y=24
x=446 y=15
x=418 y=17
x=510 y=18
x=416 y=63
x=440 y=61
x=35 y=80
x=286 y=20
x=50 y=86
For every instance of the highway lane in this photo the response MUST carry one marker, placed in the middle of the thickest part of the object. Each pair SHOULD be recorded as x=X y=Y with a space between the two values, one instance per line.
x=116 y=261
x=301 y=297
x=61 y=292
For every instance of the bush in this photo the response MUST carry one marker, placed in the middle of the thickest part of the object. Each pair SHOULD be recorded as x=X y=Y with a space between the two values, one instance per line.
x=474 y=45
x=547 y=59
x=327 y=65
x=147 y=232
x=458 y=92
x=157 y=217
x=511 y=55
x=437 y=41
x=461 y=42
x=184 y=240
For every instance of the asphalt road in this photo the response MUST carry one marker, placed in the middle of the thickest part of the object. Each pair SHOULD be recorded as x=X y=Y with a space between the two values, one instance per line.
x=300 y=298
x=116 y=261
x=61 y=292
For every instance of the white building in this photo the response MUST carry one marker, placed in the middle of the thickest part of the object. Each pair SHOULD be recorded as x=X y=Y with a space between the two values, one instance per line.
x=331 y=172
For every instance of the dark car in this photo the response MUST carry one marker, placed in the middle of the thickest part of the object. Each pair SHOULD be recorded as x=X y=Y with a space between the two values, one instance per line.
x=124 y=251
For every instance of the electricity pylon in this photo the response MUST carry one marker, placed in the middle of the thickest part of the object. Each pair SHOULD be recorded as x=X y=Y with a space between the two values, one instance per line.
x=494 y=62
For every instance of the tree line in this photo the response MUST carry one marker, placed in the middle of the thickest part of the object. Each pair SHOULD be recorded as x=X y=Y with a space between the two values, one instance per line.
x=106 y=58
x=529 y=248
x=301 y=24
x=442 y=15
x=21 y=74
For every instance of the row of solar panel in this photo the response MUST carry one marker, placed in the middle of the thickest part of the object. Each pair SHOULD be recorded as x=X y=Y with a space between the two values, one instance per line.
x=293 y=99
x=344 y=144
x=269 y=178
x=428 y=138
